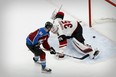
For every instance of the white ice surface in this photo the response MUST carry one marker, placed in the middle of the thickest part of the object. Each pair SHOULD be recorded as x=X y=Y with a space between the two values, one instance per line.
x=19 y=18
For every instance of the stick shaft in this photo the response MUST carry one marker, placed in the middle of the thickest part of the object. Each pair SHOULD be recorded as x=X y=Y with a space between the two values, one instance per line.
x=80 y=58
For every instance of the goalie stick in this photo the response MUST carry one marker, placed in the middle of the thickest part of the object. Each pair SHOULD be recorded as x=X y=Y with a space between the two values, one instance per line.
x=54 y=13
x=60 y=8
x=80 y=58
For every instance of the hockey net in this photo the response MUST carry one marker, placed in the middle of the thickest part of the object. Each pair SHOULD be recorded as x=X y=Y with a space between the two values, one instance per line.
x=103 y=17
x=102 y=11
x=103 y=20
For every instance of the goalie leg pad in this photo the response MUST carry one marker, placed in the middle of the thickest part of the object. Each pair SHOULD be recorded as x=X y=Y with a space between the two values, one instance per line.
x=81 y=47
x=84 y=49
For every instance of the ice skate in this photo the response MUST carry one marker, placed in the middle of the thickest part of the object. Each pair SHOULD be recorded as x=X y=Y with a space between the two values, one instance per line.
x=36 y=60
x=95 y=54
x=46 y=70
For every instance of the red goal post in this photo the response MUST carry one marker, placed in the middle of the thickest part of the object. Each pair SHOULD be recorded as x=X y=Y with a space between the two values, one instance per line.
x=104 y=4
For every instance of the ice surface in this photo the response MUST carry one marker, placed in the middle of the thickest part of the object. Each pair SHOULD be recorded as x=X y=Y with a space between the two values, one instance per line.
x=19 y=18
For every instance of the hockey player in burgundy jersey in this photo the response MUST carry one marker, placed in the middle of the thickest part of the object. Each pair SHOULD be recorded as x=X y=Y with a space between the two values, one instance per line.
x=35 y=39
x=66 y=29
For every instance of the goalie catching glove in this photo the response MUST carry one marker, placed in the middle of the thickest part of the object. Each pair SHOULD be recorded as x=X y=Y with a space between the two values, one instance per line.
x=52 y=50
x=62 y=38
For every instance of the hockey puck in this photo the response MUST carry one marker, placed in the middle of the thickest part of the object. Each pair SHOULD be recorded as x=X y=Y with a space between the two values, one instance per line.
x=94 y=37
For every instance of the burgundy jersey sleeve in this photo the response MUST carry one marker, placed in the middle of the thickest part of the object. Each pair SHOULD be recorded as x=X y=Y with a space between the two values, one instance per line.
x=46 y=44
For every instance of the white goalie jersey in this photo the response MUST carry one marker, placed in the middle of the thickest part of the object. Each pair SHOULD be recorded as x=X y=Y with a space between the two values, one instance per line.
x=64 y=27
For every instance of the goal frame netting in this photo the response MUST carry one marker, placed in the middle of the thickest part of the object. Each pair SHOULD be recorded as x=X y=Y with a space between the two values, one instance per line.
x=101 y=20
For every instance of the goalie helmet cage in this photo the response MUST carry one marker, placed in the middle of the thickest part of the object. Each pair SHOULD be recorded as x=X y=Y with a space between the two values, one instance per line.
x=101 y=11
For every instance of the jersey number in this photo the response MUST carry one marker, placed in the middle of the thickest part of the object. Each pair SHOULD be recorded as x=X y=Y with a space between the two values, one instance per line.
x=67 y=24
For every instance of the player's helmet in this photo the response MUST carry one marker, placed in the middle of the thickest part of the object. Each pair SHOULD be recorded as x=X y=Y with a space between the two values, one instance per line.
x=60 y=15
x=48 y=25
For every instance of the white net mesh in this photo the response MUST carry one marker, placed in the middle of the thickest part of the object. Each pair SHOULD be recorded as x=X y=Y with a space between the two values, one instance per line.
x=103 y=20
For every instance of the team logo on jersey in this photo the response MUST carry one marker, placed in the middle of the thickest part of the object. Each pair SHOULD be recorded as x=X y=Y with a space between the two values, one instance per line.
x=40 y=33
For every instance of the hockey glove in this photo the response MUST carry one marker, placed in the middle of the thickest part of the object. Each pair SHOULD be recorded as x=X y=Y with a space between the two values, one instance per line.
x=61 y=38
x=52 y=50
x=62 y=41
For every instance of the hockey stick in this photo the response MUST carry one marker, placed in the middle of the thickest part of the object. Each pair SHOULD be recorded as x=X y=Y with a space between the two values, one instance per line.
x=80 y=58
x=55 y=4
x=60 y=8
x=54 y=13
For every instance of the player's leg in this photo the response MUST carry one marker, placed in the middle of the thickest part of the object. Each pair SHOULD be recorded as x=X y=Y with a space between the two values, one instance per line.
x=34 y=50
x=38 y=52
x=43 y=63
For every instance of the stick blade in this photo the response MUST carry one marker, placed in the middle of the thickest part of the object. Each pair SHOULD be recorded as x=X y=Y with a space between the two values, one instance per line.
x=84 y=57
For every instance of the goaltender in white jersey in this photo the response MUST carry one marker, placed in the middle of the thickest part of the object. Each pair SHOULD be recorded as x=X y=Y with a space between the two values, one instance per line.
x=66 y=29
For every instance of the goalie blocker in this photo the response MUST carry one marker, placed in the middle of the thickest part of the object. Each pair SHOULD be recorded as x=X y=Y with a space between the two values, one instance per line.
x=85 y=49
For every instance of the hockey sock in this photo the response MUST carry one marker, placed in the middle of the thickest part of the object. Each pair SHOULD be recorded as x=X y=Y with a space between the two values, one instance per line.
x=43 y=64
